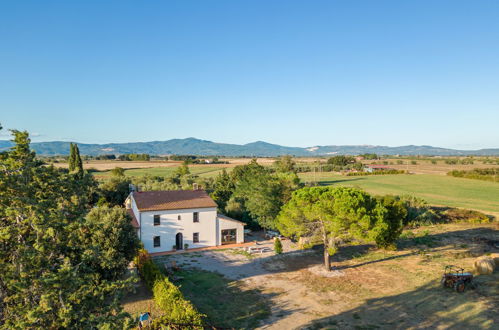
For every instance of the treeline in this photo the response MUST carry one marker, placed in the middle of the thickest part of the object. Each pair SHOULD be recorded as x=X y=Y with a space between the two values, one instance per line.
x=333 y=164
x=191 y=159
x=487 y=174
x=464 y=161
x=383 y=172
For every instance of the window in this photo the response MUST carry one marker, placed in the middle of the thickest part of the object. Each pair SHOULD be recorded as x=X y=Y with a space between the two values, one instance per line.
x=229 y=236
x=196 y=217
x=156 y=241
x=179 y=217
x=195 y=238
x=156 y=220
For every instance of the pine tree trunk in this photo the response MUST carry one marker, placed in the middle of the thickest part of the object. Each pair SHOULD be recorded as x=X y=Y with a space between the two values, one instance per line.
x=327 y=260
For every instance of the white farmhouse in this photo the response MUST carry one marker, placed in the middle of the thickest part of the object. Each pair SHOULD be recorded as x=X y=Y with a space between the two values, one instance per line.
x=171 y=220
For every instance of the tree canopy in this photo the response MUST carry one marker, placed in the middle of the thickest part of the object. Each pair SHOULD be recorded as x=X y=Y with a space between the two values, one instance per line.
x=255 y=192
x=59 y=268
x=333 y=214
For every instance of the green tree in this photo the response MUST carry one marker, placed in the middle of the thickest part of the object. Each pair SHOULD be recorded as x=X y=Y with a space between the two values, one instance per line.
x=78 y=162
x=341 y=160
x=51 y=276
x=285 y=164
x=74 y=162
x=115 y=190
x=111 y=232
x=223 y=188
x=259 y=191
x=118 y=172
x=183 y=170
x=329 y=215
x=390 y=226
x=71 y=159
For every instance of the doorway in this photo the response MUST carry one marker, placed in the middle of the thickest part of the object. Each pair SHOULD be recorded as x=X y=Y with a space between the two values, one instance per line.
x=179 y=241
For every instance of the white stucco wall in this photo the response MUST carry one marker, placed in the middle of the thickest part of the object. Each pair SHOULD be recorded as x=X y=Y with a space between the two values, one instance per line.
x=170 y=226
x=229 y=224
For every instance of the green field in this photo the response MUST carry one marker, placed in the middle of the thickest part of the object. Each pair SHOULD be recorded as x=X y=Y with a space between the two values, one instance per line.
x=435 y=189
x=202 y=171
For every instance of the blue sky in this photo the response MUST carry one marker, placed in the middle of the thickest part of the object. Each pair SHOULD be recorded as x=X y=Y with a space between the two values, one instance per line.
x=296 y=73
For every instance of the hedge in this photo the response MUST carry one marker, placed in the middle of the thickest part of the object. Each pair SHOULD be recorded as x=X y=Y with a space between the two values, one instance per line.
x=487 y=174
x=376 y=173
x=167 y=296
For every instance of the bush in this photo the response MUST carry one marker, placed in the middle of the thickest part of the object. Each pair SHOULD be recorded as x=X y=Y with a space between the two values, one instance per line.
x=277 y=245
x=166 y=295
x=462 y=215
x=418 y=212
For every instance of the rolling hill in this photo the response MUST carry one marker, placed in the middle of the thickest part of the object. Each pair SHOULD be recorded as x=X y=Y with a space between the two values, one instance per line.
x=193 y=146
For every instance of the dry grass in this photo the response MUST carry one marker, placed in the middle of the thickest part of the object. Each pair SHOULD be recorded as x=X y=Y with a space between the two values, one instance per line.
x=400 y=289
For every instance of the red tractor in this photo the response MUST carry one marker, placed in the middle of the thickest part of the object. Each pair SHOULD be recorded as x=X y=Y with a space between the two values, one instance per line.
x=455 y=277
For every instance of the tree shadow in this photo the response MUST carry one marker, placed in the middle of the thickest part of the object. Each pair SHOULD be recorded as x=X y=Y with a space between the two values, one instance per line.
x=427 y=307
x=474 y=241
x=331 y=182
x=228 y=303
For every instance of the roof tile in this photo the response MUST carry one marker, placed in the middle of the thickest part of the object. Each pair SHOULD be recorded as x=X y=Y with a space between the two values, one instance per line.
x=172 y=200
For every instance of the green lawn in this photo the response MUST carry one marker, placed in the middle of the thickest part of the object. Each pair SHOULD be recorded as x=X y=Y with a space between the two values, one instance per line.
x=202 y=171
x=435 y=189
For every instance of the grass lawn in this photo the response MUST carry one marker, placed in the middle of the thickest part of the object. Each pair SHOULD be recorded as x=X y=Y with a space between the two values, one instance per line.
x=436 y=189
x=226 y=303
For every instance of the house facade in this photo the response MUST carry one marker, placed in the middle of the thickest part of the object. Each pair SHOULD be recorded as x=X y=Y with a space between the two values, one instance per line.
x=176 y=219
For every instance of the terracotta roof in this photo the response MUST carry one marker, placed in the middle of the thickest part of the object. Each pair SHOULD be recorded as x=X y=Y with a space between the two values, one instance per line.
x=222 y=216
x=172 y=200
x=134 y=221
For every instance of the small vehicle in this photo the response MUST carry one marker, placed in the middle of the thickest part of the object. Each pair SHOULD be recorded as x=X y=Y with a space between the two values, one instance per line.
x=455 y=277
x=271 y=234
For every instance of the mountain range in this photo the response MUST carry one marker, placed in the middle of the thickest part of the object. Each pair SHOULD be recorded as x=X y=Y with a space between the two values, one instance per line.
x=193 y=146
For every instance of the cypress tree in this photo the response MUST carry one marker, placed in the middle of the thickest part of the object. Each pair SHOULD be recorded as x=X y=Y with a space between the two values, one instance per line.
x=71 y=160
x=78 y=165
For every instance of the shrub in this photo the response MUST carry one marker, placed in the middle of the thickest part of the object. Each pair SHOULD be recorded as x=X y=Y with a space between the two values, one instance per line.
x=463 y=215
x=277 y=245
x=418 y=212
x=166 y=295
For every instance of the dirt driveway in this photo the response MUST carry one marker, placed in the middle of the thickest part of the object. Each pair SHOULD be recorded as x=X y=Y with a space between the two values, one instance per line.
x=369 y=289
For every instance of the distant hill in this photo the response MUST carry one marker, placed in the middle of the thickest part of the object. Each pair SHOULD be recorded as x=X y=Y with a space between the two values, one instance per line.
x=193 y=146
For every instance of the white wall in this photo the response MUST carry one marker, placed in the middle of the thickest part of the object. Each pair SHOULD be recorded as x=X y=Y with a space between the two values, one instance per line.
x=170 y=226
x=228 y=224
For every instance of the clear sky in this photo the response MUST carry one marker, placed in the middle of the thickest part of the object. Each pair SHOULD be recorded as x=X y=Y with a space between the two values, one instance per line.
x=297 y=73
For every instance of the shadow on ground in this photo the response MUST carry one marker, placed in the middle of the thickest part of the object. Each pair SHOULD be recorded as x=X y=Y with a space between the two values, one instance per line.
x=427 y=307
x=474 y=241
x=228 y=303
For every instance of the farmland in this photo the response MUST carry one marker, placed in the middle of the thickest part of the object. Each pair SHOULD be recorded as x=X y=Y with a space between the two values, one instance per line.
x=436 y=189
x=429 y=180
